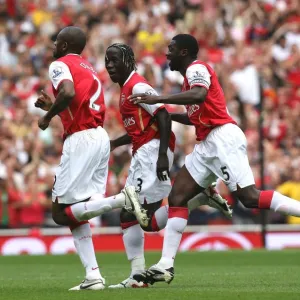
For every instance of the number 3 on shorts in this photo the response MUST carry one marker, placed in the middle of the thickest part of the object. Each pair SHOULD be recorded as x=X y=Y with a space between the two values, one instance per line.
x=139 y=185
x=225 y=173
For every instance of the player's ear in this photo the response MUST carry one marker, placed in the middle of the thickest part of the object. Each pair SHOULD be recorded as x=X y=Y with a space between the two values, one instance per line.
x=65 y=46
x=184 y=52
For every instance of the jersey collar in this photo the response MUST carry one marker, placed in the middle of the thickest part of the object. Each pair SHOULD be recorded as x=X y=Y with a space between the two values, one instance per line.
x=73 y=54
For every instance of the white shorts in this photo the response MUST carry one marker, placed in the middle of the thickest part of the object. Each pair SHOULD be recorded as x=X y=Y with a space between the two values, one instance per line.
x=83 y=168
x=142 y=173
x=222 y=154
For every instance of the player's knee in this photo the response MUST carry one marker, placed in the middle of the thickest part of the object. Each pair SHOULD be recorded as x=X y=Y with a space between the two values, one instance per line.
x=249 y=196
x=148 y=228
x=152 y=226
x=176 y=199
x=56 y=218
x=59 y=219
x=126 y=217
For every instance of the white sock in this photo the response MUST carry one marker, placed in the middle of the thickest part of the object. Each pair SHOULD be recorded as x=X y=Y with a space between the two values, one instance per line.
x=285 y=205
x=279 y=203
x=175 y=226
x=96 y=206
x=82 y=236
x=133 y=239
x=161 y=215
x=160 y=218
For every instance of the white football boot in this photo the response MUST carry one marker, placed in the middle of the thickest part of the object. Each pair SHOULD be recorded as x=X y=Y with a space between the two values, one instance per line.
x=216 y=201
x=94 y=284
x=133 y=205
x=129 y=283
x=155 y=274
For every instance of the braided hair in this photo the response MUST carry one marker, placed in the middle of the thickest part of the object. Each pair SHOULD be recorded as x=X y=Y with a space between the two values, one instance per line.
x=128 y=55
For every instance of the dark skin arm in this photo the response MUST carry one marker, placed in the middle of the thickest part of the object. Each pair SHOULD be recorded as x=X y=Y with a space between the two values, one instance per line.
x=120 y=141
x=181 y=118
x=43 y=101
x=194 y=96
x=164 y=124
x=66 y=93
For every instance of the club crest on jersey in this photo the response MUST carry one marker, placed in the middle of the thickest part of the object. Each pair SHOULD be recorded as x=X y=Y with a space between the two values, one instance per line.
x=193 y=108
x=57 y=72
x=123 y=98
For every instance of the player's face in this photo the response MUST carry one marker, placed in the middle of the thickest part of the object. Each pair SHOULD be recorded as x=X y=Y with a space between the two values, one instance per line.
x=114 y=65
x=174 y=56
x=59 y=47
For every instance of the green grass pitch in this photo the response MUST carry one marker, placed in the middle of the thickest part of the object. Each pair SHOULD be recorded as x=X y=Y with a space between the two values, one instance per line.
x=198 y=275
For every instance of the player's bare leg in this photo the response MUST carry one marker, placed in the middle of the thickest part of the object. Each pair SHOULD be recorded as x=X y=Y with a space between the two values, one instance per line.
x=133 y=235
x=184 y=189
x=133 y=238
x=211 y=198
x=82 y=235
x=98 y=205
x=251 y=197
x=74 y=217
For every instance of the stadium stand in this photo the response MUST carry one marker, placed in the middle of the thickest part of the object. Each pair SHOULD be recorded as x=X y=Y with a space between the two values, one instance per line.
x=249 y=43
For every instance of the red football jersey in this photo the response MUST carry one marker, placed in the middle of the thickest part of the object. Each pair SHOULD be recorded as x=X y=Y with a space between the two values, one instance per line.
x=87 y=108
x=213 y=111
x=139 y=120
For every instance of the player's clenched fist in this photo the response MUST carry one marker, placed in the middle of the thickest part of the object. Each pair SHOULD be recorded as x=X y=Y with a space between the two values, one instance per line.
x=43 y=123
x=162 y=167
x=43 y=101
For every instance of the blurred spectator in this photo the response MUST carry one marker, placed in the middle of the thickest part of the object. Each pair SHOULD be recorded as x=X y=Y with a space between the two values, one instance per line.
x=33 y=204
x=252 y=45
x=9 y=199
x=280 y=51
x=291 y=188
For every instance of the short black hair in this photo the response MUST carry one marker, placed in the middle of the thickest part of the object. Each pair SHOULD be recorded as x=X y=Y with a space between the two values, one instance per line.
x=127 y=55
x=187 y=41
x=75 y=37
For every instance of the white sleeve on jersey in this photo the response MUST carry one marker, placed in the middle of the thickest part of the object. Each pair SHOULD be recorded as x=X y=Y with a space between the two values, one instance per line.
x=59 y=71
x=144 y=88
x=198 y=75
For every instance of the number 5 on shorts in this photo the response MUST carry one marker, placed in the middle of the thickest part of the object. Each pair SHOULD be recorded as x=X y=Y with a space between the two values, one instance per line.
x=225 y=173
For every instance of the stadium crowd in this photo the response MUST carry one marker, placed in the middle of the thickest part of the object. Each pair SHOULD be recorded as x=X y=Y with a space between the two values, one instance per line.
x=254 y=46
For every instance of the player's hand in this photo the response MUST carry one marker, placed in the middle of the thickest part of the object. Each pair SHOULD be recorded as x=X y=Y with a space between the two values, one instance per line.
x=144 y=98
x=162 y=167
x=44 y=123
x=43 y=101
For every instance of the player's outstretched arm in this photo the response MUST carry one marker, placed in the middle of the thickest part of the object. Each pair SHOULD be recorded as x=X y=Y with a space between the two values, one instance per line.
x=120 y=141
x=146 y=98
x=66 y=92
x=164 y=123
x=194 y=96
x=181 y=118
